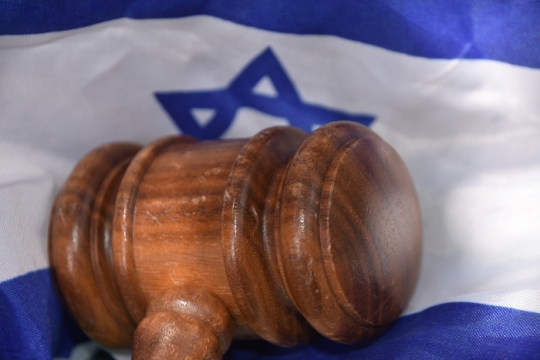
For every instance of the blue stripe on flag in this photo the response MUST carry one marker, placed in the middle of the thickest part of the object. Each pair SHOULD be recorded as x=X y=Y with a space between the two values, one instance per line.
x=447 y=331
x=33 y=324
x=507 y=31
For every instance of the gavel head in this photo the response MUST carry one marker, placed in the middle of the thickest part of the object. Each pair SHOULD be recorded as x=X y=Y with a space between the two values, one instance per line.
x=181 y=244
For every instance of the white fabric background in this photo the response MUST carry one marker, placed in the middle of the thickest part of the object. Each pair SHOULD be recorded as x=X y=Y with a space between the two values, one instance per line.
x=468 y=130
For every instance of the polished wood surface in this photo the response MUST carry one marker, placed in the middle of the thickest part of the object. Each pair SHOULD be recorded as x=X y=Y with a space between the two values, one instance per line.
x=181 y=244
x=184 y=323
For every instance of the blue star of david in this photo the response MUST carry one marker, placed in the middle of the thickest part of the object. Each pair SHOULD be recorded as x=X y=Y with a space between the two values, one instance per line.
x=285 y=104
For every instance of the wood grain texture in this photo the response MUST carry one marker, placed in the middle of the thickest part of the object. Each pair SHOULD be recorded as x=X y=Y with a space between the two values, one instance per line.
x=123 y=224
x=101 y=246
x=69 y=246
x=273 y=237
x=340 y=179
x=184 y=323
x=369 y=200
x=248 y=237
x=170 y=335
x=178 y=217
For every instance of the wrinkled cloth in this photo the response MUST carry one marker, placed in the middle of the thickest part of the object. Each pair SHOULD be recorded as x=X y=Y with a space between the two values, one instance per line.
x=453 y=87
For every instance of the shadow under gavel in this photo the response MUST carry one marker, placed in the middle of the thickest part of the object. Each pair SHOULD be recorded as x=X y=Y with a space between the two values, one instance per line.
x=180 y=246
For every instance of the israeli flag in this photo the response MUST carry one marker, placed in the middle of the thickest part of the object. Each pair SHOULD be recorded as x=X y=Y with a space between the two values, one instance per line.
x=453 y=86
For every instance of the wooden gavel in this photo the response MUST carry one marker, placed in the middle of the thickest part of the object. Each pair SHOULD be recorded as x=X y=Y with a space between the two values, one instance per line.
x=179 y=245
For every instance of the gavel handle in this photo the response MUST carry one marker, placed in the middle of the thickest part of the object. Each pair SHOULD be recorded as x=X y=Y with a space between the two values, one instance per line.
x=184 y=323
